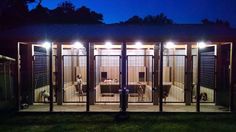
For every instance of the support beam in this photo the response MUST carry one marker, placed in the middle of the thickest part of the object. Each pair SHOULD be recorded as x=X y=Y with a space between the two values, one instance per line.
x=198 y=79
x=219 y=86
x=18 y=77
x=50 y=77
x=156 y=74
x=123 y=100
x=30 y=73
x=188 y=76
x=87 y=46
x=59 y=75
x=92 y=91
x=161 y=77
x=233 y=77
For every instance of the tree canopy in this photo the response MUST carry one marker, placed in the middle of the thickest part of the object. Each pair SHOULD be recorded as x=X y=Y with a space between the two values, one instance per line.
x=216 y=22
x=16 y=12
x=160 y=19
x=13 y=12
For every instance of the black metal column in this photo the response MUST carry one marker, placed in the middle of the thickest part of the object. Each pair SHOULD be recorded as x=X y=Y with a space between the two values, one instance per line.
x=123 y=101
x=161 y=77
x=188 y=76
x=92 y=91
x=88 y=76
x=50 y=77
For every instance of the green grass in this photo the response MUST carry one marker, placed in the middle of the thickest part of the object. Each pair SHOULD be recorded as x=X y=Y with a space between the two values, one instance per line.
x=189 y=122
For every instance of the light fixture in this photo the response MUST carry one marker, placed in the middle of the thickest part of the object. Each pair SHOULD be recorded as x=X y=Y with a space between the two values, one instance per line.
x=108 y=44
x=170 y=45
x=201 y=45
x=78 y=45
x=46 y=45
x=138 y=44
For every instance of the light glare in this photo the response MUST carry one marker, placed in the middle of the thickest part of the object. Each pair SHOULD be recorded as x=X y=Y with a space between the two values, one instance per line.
x=78 y=45
x=46 y=45
x=170 y=45
x=201 y=45
x=108 y=45
x=138 y=44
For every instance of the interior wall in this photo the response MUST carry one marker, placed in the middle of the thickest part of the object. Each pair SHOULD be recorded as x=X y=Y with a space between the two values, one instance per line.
x=133 y=73
x=112 y=72
x=75 y=63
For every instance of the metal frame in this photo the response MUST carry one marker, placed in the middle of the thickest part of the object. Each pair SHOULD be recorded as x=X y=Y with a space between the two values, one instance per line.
x=120 y=57
x=165 y=102
x=152 y=57
x=63 y=78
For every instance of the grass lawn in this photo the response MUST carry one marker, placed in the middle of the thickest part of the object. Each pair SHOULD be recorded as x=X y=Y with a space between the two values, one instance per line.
x=189 y=122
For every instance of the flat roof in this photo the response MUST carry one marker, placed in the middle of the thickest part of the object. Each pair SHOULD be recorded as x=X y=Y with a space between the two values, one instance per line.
x=102 y=32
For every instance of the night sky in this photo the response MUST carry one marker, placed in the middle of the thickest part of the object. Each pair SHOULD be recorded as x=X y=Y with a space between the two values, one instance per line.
x=181 y=11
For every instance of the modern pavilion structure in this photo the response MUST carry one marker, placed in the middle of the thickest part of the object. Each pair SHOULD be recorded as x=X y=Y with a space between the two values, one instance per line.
x=141 y=68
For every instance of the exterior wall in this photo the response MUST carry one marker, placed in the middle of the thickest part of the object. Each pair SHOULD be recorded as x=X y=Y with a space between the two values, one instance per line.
x=7 y=96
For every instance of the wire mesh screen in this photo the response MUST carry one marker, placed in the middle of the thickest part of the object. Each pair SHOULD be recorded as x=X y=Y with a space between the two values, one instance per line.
x=41 y=78
x=140 y=78
x=207 y=77
x=6 y=81
x=75 y=78
x=173 y=78
x=107 y=69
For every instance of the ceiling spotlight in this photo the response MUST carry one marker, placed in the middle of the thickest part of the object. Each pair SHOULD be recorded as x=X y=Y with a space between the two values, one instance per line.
x=108 y=44
x=170 y=45
x=138 y=44
x=201 y=45
x=46 y=45
x=78 y=45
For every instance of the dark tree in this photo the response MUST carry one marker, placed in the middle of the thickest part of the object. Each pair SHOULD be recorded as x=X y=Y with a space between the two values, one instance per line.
x=134 y=20
x=85 y=15
x=67 y=13
x=217 y=22
x=64 y=13
x=13 y=12
x=160 y=19
x=39 y=14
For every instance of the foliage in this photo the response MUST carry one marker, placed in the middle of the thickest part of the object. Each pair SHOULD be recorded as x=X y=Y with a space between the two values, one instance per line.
x=15 y=12
x=217 y=22
x=160 y=19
